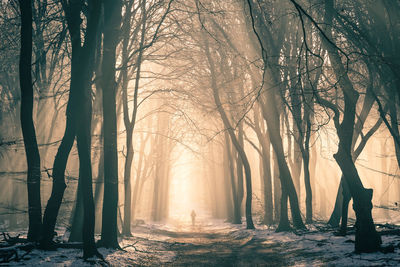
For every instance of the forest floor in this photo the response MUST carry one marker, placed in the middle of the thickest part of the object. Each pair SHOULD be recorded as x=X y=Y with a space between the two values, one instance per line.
x=221 y=244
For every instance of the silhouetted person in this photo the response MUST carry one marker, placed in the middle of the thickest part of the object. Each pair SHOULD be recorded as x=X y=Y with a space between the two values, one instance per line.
x=193 y=215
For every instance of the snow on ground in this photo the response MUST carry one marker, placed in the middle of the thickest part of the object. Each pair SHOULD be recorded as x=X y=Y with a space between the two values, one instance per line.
x=314 y=248
x=216 y=242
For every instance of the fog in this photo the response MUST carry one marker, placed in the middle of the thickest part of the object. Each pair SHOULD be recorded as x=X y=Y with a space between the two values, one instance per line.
x=249 y=112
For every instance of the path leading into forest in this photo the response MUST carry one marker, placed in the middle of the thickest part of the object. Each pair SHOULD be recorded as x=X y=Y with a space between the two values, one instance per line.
x=215 y=243
x=205 y=246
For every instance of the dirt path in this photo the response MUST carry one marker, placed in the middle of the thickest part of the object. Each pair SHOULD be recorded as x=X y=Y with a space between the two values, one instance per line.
x=220 y=250
x=204 y=247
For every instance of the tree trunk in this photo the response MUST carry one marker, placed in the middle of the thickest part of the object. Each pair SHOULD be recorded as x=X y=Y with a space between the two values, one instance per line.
x=306 y=166
x=271 y=116
x=126 y=229
x=139 y=174
x=277 y=189
x=85 y=175
x=393 y=112
x=227 y=181
x=135 y=196
x=239 y=170
x=343 y=196
x=236 y=219
x=312 y=168
x=345 y=208
x=130 y=124
x=76 y=222
x=83 y=132
x=385 y=183
x=212 y=182
x=337 y=210
x=27 y=125
x=155 y=210
x=61 y=159
x=99 y=187
x=112 y=21
x=266 y=179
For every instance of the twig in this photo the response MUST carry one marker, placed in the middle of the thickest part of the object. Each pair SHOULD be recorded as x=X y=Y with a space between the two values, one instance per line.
x=131 y=245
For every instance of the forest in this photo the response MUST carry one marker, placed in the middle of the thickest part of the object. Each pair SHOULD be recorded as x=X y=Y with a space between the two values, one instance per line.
x=199 y=132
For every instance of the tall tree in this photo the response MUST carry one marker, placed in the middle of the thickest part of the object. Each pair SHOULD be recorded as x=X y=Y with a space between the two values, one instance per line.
x=112 y=24
x=83 y=127
x=367 y=239
x=72 y=14
x=27 y=125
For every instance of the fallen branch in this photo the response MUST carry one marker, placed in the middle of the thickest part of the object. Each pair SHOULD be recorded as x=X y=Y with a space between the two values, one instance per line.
x=13 y=240
x=131 y=245
x=8 y=254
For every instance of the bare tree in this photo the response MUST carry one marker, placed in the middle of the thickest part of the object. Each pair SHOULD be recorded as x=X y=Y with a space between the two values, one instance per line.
x=28 y=128
x=112 y=24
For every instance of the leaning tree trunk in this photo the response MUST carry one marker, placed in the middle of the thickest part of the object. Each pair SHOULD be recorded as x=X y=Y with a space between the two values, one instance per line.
x=60 y=162
x=27 y=125
x=367 y=239
x=112 y=21
x=343 y=196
